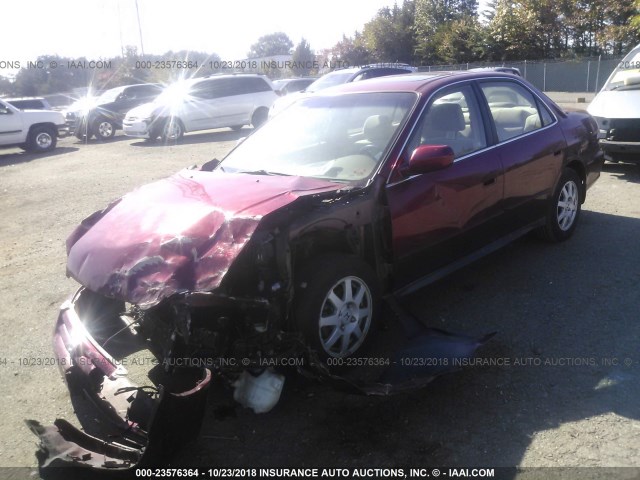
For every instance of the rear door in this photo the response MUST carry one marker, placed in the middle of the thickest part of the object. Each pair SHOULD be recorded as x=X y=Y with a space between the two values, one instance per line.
x=442 y=216
x=530 y=144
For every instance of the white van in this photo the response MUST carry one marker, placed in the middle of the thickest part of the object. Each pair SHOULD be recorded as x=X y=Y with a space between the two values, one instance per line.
x=203 y=103
x=616 y=108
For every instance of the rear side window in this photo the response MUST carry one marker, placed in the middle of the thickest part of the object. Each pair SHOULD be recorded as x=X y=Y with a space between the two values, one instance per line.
x=29 y=104
x=229 y=87
x=143 y=91
x=250 y=85
x=514 y=109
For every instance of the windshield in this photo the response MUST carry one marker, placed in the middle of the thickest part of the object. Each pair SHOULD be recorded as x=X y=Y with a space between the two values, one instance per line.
x=110 y=95
x=340 y=138
x=626 y=76
x=330 y=80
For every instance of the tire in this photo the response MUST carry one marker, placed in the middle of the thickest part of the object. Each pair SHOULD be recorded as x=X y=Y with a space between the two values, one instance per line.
x=564 y=208
x=42 y=139
x=337 y=305
x=104 y=129
x=259 y=117
x=172 y=130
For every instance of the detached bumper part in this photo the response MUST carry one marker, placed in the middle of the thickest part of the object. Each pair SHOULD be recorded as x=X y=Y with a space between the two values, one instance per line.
x=125 y=426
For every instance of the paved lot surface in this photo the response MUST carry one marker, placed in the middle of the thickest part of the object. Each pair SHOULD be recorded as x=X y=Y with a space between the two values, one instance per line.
x=567 y=317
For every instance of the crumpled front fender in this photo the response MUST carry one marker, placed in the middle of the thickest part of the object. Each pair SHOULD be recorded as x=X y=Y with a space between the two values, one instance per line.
x=130 y=426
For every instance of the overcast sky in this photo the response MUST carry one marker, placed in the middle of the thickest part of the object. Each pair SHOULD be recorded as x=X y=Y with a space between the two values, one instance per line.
x=98 y=28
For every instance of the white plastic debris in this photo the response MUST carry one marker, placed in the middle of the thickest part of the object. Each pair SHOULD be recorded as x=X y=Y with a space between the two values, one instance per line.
x=260 y=393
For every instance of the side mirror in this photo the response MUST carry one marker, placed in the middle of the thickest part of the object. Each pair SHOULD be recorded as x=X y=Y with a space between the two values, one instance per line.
x=210 y=166
x=429 y=158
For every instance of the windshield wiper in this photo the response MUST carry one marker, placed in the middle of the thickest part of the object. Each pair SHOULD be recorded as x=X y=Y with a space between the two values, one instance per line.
x=264 y=172
x=633 y=86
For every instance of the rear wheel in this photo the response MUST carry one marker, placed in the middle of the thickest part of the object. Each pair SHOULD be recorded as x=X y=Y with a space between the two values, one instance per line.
x=564 y=208
x=337 y=305
x=41 y=139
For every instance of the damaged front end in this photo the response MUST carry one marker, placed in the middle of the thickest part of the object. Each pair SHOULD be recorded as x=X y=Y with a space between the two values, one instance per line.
x=207 y=287
x=123 y=425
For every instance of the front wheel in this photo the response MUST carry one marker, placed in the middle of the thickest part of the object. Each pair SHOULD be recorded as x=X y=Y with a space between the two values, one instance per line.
x=41 y=139
x=259 y=117
x=564 y=208
x=337 y=305
x=104 y=129
x=172 y=131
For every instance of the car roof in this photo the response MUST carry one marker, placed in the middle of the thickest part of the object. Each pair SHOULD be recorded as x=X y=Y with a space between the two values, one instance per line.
x=224 y=75
x=15 y=99
x=412 y=82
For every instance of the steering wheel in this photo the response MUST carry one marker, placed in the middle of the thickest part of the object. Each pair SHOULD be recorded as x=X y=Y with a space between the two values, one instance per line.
x=371 y=151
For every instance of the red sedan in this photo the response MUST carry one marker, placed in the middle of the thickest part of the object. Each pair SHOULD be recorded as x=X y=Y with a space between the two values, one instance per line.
x=288 y=245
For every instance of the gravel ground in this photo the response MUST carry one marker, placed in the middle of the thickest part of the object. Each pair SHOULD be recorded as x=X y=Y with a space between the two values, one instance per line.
x=567 y=317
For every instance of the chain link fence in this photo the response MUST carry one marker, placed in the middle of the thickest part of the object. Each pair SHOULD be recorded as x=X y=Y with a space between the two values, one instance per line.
x=583 y=75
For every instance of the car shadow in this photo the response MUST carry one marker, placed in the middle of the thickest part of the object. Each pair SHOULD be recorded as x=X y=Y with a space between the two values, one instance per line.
x=119 y=137
x=23 y=157
x=566 y=351
x=623 y=171
x=221 y=135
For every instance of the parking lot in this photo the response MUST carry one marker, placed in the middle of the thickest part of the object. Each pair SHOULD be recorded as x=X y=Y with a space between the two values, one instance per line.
x=562 y=389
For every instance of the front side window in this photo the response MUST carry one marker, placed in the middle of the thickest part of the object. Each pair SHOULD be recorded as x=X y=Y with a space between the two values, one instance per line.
x=452 y=118
x=207 y=90
x=513 y=108
x=4 y=109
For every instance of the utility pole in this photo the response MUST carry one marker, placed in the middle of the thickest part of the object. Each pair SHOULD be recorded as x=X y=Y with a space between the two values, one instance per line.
x=139 y=28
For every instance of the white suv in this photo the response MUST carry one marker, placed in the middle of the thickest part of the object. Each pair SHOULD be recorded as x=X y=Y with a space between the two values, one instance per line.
x=33 y=130
x=201 y=104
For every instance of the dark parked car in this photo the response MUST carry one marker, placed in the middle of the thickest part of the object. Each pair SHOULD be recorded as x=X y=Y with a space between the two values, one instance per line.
x=103 y=115
x=341 y=76
x=287 y=247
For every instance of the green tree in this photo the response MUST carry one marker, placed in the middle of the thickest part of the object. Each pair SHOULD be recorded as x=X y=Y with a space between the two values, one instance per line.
x=388 y=36
x=514 y=31
x=7 y=87
x=433 y=18
x=620 y=34
x=635 y=20
x=351 y=51
x=303 y=57
x=461 y=41
x=273 y=44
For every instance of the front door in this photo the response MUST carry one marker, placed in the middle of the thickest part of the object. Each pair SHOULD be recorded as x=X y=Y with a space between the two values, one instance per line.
x=441 y=216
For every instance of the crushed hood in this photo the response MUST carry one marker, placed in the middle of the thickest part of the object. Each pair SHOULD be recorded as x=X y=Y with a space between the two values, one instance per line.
x=178 y=234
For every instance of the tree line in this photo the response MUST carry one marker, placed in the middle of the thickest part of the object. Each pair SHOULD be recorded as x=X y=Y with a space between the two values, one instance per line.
x=418 y=32
x=431 y=32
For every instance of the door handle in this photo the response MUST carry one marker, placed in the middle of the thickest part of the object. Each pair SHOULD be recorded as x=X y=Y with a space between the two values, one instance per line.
x=489 y=181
